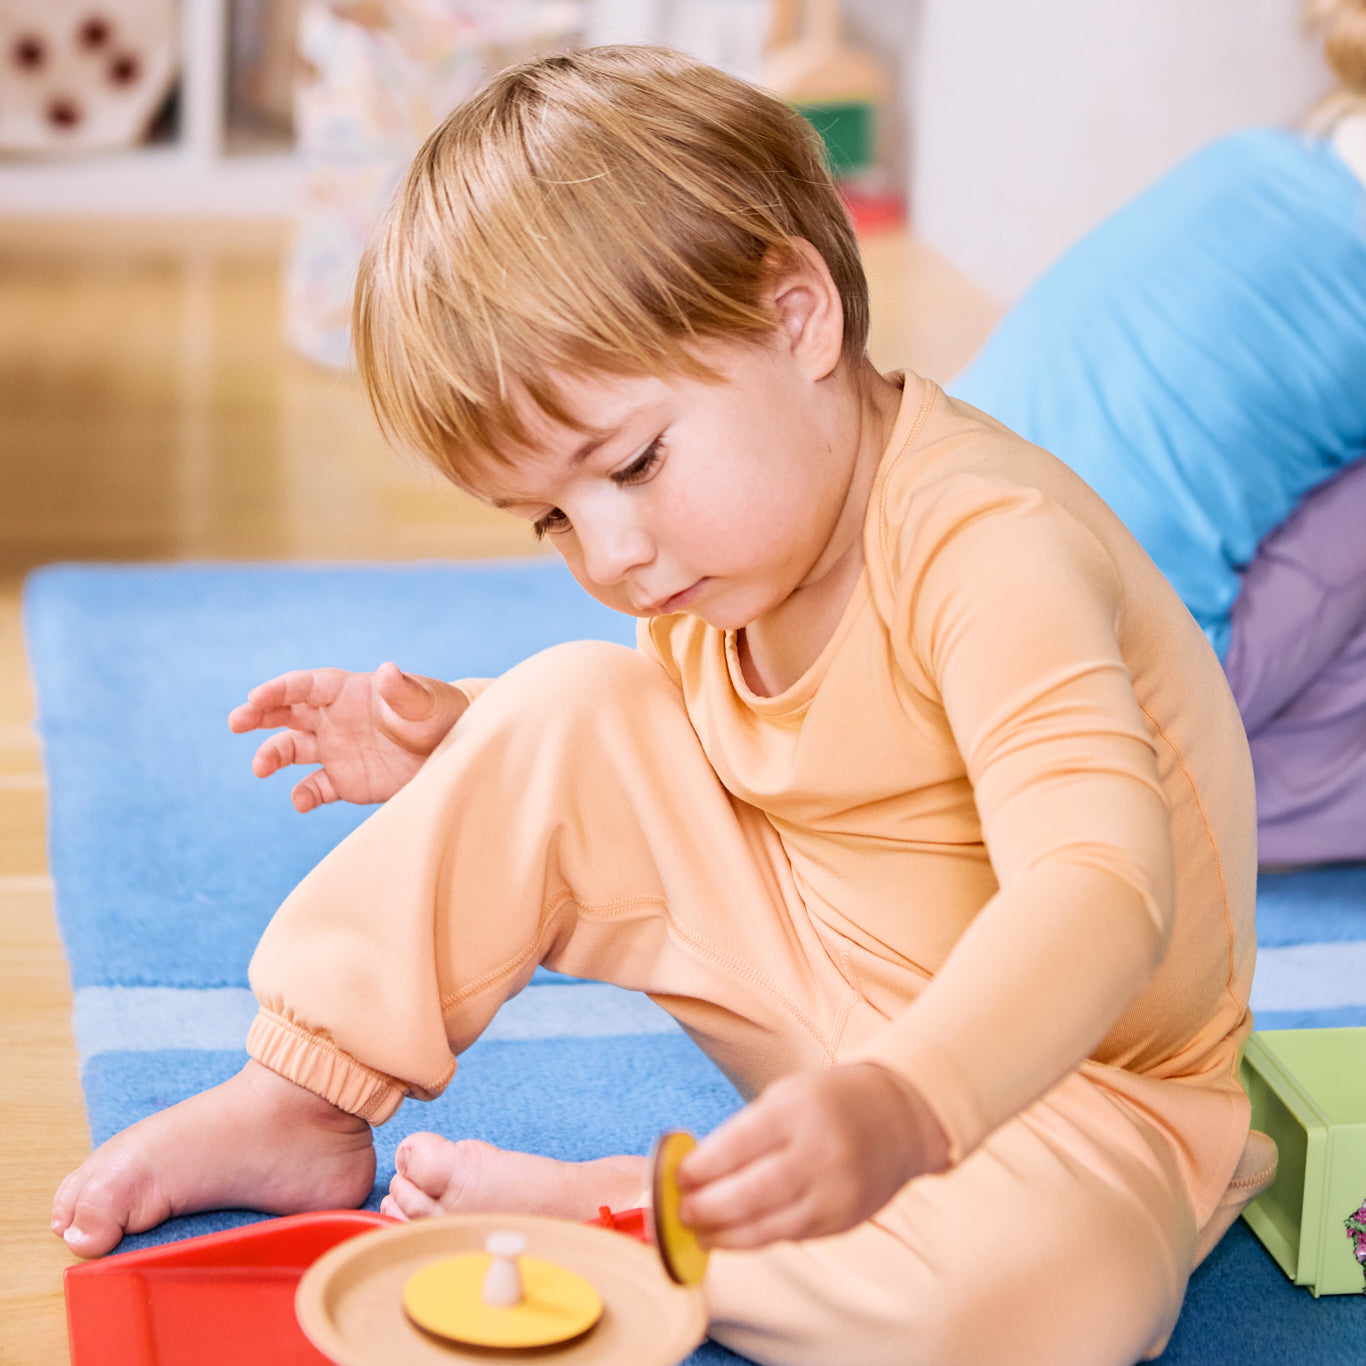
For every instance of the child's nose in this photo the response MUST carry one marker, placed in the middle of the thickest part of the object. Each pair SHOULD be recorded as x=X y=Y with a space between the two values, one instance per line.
x=612 y=550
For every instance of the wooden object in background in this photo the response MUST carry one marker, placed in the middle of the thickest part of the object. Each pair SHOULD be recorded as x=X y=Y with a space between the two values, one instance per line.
x=840 y=88
x=84 y=75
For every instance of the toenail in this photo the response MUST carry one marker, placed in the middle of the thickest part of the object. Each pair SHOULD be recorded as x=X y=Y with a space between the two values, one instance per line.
x=73 y=1235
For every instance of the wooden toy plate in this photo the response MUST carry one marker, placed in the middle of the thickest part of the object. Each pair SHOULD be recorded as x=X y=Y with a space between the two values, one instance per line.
x=350 y=1301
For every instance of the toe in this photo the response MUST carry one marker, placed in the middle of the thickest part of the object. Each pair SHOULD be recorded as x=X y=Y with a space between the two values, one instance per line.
x=109 y=1194
x=391 y=1207
x=86 y=1211
x=64 y=1203
x=103 y=1236
x=437 y=1167
x=92 y=1230
x=411 y=1202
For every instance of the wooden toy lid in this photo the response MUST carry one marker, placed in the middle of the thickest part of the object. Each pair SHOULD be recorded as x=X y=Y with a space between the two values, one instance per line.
x=350 y=1301
x=684 y=1258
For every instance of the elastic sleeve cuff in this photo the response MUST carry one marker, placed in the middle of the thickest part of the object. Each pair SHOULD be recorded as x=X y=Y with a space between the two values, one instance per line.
x=321 y=1067
x=933 y=1074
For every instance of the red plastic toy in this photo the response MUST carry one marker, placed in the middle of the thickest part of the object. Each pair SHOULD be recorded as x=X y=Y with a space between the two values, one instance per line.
x=223 y=1299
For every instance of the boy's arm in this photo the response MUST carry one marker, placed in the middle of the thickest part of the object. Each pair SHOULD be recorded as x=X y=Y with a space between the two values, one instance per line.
x=1012 y=618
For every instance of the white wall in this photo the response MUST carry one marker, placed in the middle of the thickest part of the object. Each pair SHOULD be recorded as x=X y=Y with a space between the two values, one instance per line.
x=1020 y=124
x=1033 y=119
x=727 y=33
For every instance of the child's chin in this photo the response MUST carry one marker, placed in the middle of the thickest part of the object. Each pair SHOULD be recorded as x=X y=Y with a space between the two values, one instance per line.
x=720 y=620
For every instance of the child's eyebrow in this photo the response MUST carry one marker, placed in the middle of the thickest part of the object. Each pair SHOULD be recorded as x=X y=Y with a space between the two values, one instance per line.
x=591 y=444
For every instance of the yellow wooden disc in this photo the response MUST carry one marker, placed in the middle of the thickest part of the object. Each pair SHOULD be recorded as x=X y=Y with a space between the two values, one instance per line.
x=446 y=1298
x=684 y=1258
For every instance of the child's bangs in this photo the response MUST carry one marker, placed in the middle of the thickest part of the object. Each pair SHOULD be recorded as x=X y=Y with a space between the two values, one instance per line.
x=462 y=344
x=602 y=213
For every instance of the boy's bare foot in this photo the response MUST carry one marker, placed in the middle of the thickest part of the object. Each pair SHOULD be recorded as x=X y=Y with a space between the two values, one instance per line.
x=437 y=1176
x=255 y=1142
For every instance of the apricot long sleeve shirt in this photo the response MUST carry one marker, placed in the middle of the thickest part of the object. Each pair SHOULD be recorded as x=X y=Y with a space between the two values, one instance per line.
x=1013 y=785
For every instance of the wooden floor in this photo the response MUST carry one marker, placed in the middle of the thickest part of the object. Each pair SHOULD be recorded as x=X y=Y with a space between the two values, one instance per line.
x=150 y=411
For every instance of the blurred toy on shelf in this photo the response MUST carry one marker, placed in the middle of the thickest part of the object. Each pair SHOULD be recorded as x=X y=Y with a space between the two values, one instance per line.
x=845 y=92
x=262 y=60
x=376 y=77
x=84 y=75
x=840 y=88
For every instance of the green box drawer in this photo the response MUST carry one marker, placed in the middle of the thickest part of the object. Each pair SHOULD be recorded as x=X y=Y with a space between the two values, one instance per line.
x=1308 y=1092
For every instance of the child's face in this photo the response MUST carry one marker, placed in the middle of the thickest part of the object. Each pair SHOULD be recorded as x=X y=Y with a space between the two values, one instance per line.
x=715 y=499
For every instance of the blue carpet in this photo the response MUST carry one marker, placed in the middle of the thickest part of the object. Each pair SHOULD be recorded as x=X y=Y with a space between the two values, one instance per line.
x=169 y=858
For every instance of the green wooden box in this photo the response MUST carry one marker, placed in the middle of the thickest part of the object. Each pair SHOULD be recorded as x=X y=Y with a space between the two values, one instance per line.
x=1308 y=1092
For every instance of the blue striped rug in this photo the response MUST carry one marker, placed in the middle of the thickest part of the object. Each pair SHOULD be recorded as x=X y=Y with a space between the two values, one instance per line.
x=169 y=857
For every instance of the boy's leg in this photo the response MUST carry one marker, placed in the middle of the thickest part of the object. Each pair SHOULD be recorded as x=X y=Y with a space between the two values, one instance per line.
x=1297 y=667
x=1065 y=1240
x=571 y=818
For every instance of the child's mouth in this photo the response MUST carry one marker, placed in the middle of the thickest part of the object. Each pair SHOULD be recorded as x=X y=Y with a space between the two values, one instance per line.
x=677 y=602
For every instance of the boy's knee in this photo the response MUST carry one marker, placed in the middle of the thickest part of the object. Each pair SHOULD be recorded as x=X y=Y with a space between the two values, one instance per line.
x=580 y=677
x=947 y=1298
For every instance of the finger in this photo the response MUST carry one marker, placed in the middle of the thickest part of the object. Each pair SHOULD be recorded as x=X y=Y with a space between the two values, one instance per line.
x=313 y=791
x=407 y=696
x=390 y=1206
x=244 y=718
x=282 y=749
x=774 y=1182
x=298 y=717
x=745 y=1137
x=248 y=717
x=792 y=1222
x=307 y=687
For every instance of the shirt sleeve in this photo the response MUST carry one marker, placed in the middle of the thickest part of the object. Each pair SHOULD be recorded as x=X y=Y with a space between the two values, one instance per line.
x=1007 y=614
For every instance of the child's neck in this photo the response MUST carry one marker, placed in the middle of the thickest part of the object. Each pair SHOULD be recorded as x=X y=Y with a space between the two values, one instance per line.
x=778 y=648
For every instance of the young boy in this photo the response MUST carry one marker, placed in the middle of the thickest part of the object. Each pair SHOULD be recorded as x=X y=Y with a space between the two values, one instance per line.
x=923 y=805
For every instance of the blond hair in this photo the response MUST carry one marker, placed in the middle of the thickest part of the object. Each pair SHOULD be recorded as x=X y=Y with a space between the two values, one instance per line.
x=1344 y=39
x=1342 y=24
x=602 y=211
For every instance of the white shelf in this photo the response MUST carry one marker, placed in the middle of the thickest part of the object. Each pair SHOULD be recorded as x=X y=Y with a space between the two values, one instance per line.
x=191 y=177
x=170 y=181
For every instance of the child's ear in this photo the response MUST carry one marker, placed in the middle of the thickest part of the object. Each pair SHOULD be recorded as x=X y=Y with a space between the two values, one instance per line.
x=807 y=308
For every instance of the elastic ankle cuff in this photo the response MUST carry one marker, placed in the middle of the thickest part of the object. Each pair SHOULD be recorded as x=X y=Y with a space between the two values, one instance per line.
x=321 y=1067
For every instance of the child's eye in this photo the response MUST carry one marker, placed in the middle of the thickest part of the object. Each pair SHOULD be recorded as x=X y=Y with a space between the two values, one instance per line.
x=640 y=469
x=553 y=522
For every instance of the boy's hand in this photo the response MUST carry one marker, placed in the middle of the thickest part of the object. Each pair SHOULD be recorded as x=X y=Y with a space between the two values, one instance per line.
x=370 y=732
x=815 y=1154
